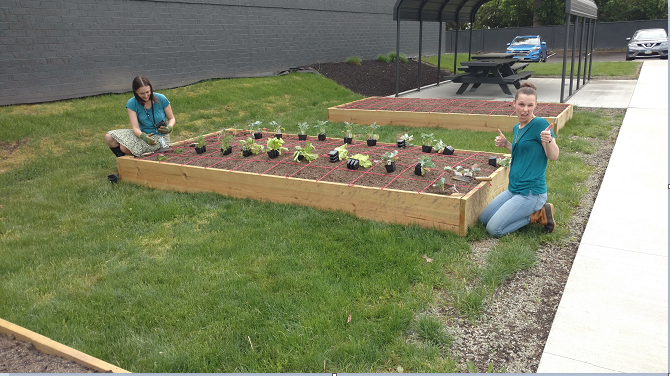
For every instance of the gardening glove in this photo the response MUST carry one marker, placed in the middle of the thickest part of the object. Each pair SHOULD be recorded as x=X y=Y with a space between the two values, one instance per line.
x=147 y=138
x=165 y=129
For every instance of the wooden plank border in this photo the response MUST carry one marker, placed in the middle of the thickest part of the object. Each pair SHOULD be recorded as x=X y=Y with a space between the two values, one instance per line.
x=453 y=213
x=473 y=122
x=49 y=346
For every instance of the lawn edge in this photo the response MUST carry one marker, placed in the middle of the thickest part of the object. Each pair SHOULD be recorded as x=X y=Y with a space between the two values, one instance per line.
x=49 y=346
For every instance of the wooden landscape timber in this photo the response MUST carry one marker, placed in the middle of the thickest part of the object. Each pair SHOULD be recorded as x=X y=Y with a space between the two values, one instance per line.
x=49 y=346
x=454 y=213
x=472 y=122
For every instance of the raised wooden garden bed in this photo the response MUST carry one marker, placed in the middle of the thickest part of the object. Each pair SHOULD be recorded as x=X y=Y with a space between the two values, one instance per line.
x=475 y=115
x=372 y=193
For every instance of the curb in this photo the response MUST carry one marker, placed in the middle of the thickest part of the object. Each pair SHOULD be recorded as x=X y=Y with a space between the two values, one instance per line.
x=52 y=347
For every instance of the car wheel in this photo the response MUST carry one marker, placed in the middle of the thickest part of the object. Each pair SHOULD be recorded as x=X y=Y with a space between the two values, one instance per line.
x=664 y=57
x=629 y=58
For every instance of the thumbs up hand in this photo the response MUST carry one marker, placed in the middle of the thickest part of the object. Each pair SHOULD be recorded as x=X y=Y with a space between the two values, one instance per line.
x=501 y=141
x=545 y=135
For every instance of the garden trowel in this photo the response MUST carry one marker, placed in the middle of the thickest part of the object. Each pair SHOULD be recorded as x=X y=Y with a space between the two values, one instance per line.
x=467 y=179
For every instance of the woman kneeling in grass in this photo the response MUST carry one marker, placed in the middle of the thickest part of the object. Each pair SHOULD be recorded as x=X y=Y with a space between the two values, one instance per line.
x=147 y=112
x=525 y=200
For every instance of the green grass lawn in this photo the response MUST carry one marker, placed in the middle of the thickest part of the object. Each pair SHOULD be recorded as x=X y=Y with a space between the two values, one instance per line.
x=160 y=281
x=620 y=69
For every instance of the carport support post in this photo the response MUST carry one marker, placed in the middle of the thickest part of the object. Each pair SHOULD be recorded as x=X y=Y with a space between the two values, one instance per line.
x=418 y=88
x=470 y=46
x=579 y=63
x=593 y=40
x=456 y=46
x=565 y=53
x=439 y=51
x=574 y=44
x=397 y=61
x=586 y=50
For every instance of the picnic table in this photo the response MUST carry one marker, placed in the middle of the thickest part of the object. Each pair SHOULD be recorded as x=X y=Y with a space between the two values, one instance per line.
x=493 y=68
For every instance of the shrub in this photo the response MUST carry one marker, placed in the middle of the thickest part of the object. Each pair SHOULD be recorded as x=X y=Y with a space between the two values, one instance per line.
x=384 y=58
x=354 y=60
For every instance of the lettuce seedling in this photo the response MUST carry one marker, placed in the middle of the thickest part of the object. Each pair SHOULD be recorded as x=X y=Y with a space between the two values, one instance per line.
x=306 y=152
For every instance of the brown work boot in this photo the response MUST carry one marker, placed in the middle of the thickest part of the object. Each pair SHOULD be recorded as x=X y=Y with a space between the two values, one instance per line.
x=545 y=217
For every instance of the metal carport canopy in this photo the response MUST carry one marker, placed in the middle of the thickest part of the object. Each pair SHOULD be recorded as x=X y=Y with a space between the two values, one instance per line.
x=437 y=10
x=458 y=11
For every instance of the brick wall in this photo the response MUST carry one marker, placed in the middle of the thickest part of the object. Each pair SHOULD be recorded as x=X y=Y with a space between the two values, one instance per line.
x=59 y=49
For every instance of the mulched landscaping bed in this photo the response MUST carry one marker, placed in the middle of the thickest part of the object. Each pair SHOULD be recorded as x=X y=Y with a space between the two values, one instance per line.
x=450 y=106
x=376 y=78
x=322 y=169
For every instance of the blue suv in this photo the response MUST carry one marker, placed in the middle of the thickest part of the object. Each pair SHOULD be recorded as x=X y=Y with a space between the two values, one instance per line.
x=528 y=47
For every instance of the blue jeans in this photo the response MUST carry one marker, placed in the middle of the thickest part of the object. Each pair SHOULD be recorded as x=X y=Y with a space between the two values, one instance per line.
x=509 y=212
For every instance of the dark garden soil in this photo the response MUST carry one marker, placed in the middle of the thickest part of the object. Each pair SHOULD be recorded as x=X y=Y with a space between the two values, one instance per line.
x=21 y=357
x=377 y=79
x=321 y=169
x=449 y=106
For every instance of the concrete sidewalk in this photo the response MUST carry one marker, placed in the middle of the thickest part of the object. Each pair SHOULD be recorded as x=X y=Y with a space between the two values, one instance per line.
x=613 y=316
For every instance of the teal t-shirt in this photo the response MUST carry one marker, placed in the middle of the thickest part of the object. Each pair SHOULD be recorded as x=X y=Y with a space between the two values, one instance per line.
x=529 y=162
x=145 y=117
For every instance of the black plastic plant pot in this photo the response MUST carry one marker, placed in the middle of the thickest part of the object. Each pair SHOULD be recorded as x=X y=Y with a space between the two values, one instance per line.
x=426 y=148
x=333 y=156
x=302 y=137
x=390 y=167
x=493 y=161
x=273 y=153
x=417 y=169
x=353 y=164
x=112 y=178
x=349 y=140
x=372 y=142
x=301 y=157
x=246 y=153
x=227 y=151
x=401 y=143
x=277 y=135
x=448 y=150
x=322 y=137
x=201 y=150
x=258 y=135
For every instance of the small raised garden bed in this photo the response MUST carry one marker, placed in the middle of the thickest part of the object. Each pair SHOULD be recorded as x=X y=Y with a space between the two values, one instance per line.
x=476 y=115
x=399 y=196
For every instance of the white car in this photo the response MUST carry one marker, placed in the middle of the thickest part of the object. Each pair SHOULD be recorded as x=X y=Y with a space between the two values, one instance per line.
x=648 y=43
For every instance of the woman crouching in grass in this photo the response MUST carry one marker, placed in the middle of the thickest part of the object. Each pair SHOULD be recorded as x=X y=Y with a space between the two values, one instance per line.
x=525 y=200
x=148 y=112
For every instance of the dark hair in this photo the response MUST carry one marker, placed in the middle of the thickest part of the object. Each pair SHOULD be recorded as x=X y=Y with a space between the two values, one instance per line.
x=141 y=81
x=526 y=88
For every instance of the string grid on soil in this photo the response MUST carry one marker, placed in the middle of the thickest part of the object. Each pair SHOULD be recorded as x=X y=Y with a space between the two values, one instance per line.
x=322 y=170
x=450 y=106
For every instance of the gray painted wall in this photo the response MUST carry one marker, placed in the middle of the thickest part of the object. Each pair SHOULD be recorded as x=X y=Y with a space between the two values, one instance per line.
x=58 y=49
